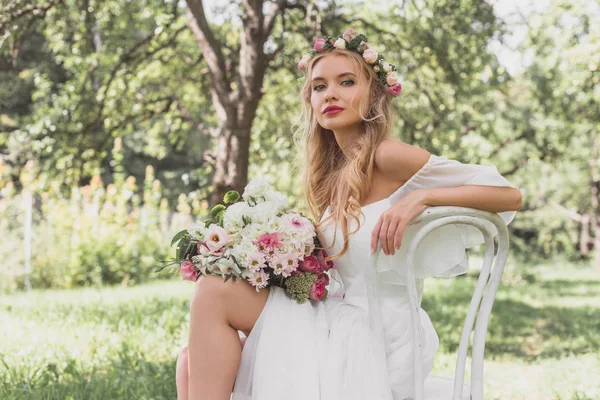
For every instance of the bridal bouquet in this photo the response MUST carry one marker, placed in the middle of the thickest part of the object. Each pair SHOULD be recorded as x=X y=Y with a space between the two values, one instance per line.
x=252 y=237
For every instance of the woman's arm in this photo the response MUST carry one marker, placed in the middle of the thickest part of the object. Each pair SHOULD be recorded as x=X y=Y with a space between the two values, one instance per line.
x=488 y=198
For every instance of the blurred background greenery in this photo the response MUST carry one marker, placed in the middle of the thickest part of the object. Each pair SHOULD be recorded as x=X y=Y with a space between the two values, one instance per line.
x=122 y=122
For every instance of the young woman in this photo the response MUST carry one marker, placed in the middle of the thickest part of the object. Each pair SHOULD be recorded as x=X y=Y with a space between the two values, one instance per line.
x=365 y=188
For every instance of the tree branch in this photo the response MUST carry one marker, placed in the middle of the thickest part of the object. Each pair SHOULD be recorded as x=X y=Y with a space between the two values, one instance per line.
x=39 y=12
x=210 y=47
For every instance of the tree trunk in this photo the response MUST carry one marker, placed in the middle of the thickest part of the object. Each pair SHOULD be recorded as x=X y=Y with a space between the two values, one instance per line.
x=235 y=96
x=232 y=159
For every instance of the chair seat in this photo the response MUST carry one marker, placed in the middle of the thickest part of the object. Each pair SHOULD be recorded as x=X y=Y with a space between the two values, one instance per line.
x=442 y=388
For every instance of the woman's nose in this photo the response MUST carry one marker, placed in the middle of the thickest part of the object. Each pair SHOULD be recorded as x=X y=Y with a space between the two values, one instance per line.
x=330 y=93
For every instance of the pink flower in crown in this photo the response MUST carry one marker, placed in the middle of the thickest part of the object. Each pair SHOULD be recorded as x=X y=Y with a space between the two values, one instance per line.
x=311 y=264
x=395 y=90
x=319 y=45
x=349 y=35
x=303 y=63
x=216 y=238
x=269 y=240
x=318 y=290
x=326 y=265
x=391 y=78
x=188 y=272
x=370 y=55
x=259 y=280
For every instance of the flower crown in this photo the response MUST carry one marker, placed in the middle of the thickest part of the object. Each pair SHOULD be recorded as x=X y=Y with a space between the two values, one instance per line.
x=351 y=40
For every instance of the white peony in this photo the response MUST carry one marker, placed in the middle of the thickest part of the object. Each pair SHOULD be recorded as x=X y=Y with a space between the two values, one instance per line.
x=256 y=190
x=233 y=217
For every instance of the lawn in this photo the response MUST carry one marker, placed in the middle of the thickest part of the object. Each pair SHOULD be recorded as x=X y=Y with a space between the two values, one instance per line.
x=122 y=343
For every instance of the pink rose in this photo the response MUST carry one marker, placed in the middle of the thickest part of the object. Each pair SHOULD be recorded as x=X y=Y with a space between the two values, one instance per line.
x=188 y=272
x=395 y=90
x=349 y=35
x=326 y=265
x=318 y=290
x=319 y=44
x=311 y=264
x=324 y=278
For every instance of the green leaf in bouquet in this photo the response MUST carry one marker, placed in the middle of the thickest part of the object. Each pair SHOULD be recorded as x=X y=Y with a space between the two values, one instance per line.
x=178 y=236
x=231 y=197
x=220 y=217
x=219 y=208
x=226 y=278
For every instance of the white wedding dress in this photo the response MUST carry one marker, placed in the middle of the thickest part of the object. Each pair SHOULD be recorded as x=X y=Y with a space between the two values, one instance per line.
x=357 y=345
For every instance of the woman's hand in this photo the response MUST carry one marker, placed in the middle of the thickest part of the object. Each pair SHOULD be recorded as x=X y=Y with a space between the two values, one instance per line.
x=393 y=222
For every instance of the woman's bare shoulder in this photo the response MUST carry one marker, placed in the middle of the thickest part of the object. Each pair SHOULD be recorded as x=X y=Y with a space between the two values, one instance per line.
x=399 y=160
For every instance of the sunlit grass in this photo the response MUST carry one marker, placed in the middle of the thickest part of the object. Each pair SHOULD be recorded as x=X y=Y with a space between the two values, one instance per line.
x=122 y=343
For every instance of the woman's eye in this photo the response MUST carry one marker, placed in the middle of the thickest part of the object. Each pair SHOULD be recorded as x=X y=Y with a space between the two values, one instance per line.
x=349 y=80
x=317 y=87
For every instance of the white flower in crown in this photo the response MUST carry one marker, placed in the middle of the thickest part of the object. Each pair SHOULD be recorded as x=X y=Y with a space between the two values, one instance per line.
x=340 y=44
x=392 y=78
x=370 y=55
x=386 y=66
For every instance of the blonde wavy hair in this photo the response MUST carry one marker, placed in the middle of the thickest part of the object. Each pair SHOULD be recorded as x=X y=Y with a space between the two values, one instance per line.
x=331 y=178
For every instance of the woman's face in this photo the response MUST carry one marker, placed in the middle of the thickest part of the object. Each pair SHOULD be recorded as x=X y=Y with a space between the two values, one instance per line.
x=334 y=83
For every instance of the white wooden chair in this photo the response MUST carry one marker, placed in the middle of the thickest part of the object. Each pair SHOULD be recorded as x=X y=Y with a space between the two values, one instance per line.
x=478 y=315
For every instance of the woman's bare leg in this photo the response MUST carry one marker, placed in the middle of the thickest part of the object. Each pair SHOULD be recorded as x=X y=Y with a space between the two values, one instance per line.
x=217 y=311
x=181 y=374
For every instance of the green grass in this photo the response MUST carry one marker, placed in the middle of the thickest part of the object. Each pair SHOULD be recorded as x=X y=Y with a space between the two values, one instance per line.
x=122 y=343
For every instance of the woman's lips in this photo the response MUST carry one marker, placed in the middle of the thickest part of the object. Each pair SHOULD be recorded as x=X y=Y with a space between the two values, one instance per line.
x=334 y=111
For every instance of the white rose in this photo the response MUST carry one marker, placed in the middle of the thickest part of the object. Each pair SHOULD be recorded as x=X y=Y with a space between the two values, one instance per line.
x=392 y=78
x=340 y=44
x=386 y=66
x=370 y=55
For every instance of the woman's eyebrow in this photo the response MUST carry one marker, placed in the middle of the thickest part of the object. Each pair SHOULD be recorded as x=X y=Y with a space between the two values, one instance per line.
x=339 y=76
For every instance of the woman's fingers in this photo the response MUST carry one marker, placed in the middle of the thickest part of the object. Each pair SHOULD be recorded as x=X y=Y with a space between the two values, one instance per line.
x=399 y=232
x=391 y=234
x=389 y=231
x=383 y=234
x=375 y=234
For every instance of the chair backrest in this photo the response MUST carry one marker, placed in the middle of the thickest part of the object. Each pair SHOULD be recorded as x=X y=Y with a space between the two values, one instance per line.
x=480 y=308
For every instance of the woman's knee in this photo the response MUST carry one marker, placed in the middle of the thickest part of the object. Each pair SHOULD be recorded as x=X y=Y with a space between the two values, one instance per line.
x=237 y=301
x=183 y=356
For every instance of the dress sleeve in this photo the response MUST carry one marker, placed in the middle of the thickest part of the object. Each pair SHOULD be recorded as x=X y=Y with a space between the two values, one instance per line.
x=442 y=253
